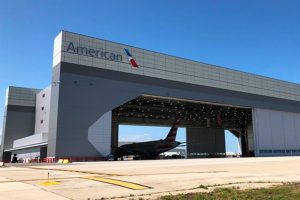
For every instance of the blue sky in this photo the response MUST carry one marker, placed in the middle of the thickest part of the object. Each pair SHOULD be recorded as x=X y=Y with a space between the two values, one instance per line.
x=257 y=36
x=146 y=133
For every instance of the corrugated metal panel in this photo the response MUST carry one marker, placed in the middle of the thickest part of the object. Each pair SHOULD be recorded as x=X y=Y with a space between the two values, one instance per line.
x=276 y=132
x=167 y=67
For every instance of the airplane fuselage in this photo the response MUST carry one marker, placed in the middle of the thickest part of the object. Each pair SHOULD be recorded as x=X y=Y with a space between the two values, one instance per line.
x=152 y=147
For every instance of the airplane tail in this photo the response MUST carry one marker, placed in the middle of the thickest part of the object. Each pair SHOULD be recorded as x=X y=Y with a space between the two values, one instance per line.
x=173 y=131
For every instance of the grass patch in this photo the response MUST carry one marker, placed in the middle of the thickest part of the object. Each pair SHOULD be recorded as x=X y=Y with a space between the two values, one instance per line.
x=285 y=191
x=203 y=187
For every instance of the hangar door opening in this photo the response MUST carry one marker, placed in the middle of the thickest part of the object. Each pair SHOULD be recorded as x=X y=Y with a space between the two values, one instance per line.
x=205 y=122
x=129 y=134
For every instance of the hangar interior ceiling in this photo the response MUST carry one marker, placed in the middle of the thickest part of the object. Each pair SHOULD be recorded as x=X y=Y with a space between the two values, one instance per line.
x=155 y=110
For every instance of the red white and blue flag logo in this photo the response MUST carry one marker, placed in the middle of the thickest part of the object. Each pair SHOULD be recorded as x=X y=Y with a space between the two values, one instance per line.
x=130 y=58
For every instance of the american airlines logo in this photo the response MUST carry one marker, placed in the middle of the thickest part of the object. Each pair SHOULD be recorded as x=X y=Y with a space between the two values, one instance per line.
x=101 y=54
x=96 y=53
x=130 y=59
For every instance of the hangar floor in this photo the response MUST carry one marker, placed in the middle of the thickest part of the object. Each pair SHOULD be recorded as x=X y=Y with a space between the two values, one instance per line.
x=97 y=180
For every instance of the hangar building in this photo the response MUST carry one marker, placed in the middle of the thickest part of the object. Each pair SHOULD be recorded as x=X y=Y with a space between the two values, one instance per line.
x=95 y=87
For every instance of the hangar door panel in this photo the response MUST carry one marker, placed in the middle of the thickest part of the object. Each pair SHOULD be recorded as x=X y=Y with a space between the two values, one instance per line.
x=262 y=130
x=289 y=127
x=297 y=130
x=277 y=133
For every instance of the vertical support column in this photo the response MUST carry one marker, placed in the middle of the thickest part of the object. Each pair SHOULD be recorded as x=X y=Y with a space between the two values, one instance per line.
x=244 y=141
x=53 y=114
x=250 y=139
x=203 y=142
x=114 y=134
x=240 y=145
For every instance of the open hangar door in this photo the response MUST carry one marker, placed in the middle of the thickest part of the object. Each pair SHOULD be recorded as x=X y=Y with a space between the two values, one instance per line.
x=205 y=122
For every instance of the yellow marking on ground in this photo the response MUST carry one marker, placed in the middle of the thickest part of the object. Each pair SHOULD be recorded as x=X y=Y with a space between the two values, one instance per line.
x=66 y=161
x=129 y=185
x=49 y=183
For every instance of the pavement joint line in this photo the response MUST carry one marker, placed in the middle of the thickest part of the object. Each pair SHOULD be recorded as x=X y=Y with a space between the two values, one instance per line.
x=203 y=172
x=125 y=184
x=77 y=171
x=80 y=177
x=40 y=179
x=106 y=174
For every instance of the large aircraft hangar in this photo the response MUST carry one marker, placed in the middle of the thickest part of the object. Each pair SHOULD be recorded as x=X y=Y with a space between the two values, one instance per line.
x=98 y=84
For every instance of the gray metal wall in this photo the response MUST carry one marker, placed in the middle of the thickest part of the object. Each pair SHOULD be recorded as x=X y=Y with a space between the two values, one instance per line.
x=202 y=141
x=81 y=95
x=42 y=110
x=100 y=133
x=81 y=101
x=276 y=133
x=19 y=116
x=79 y=49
